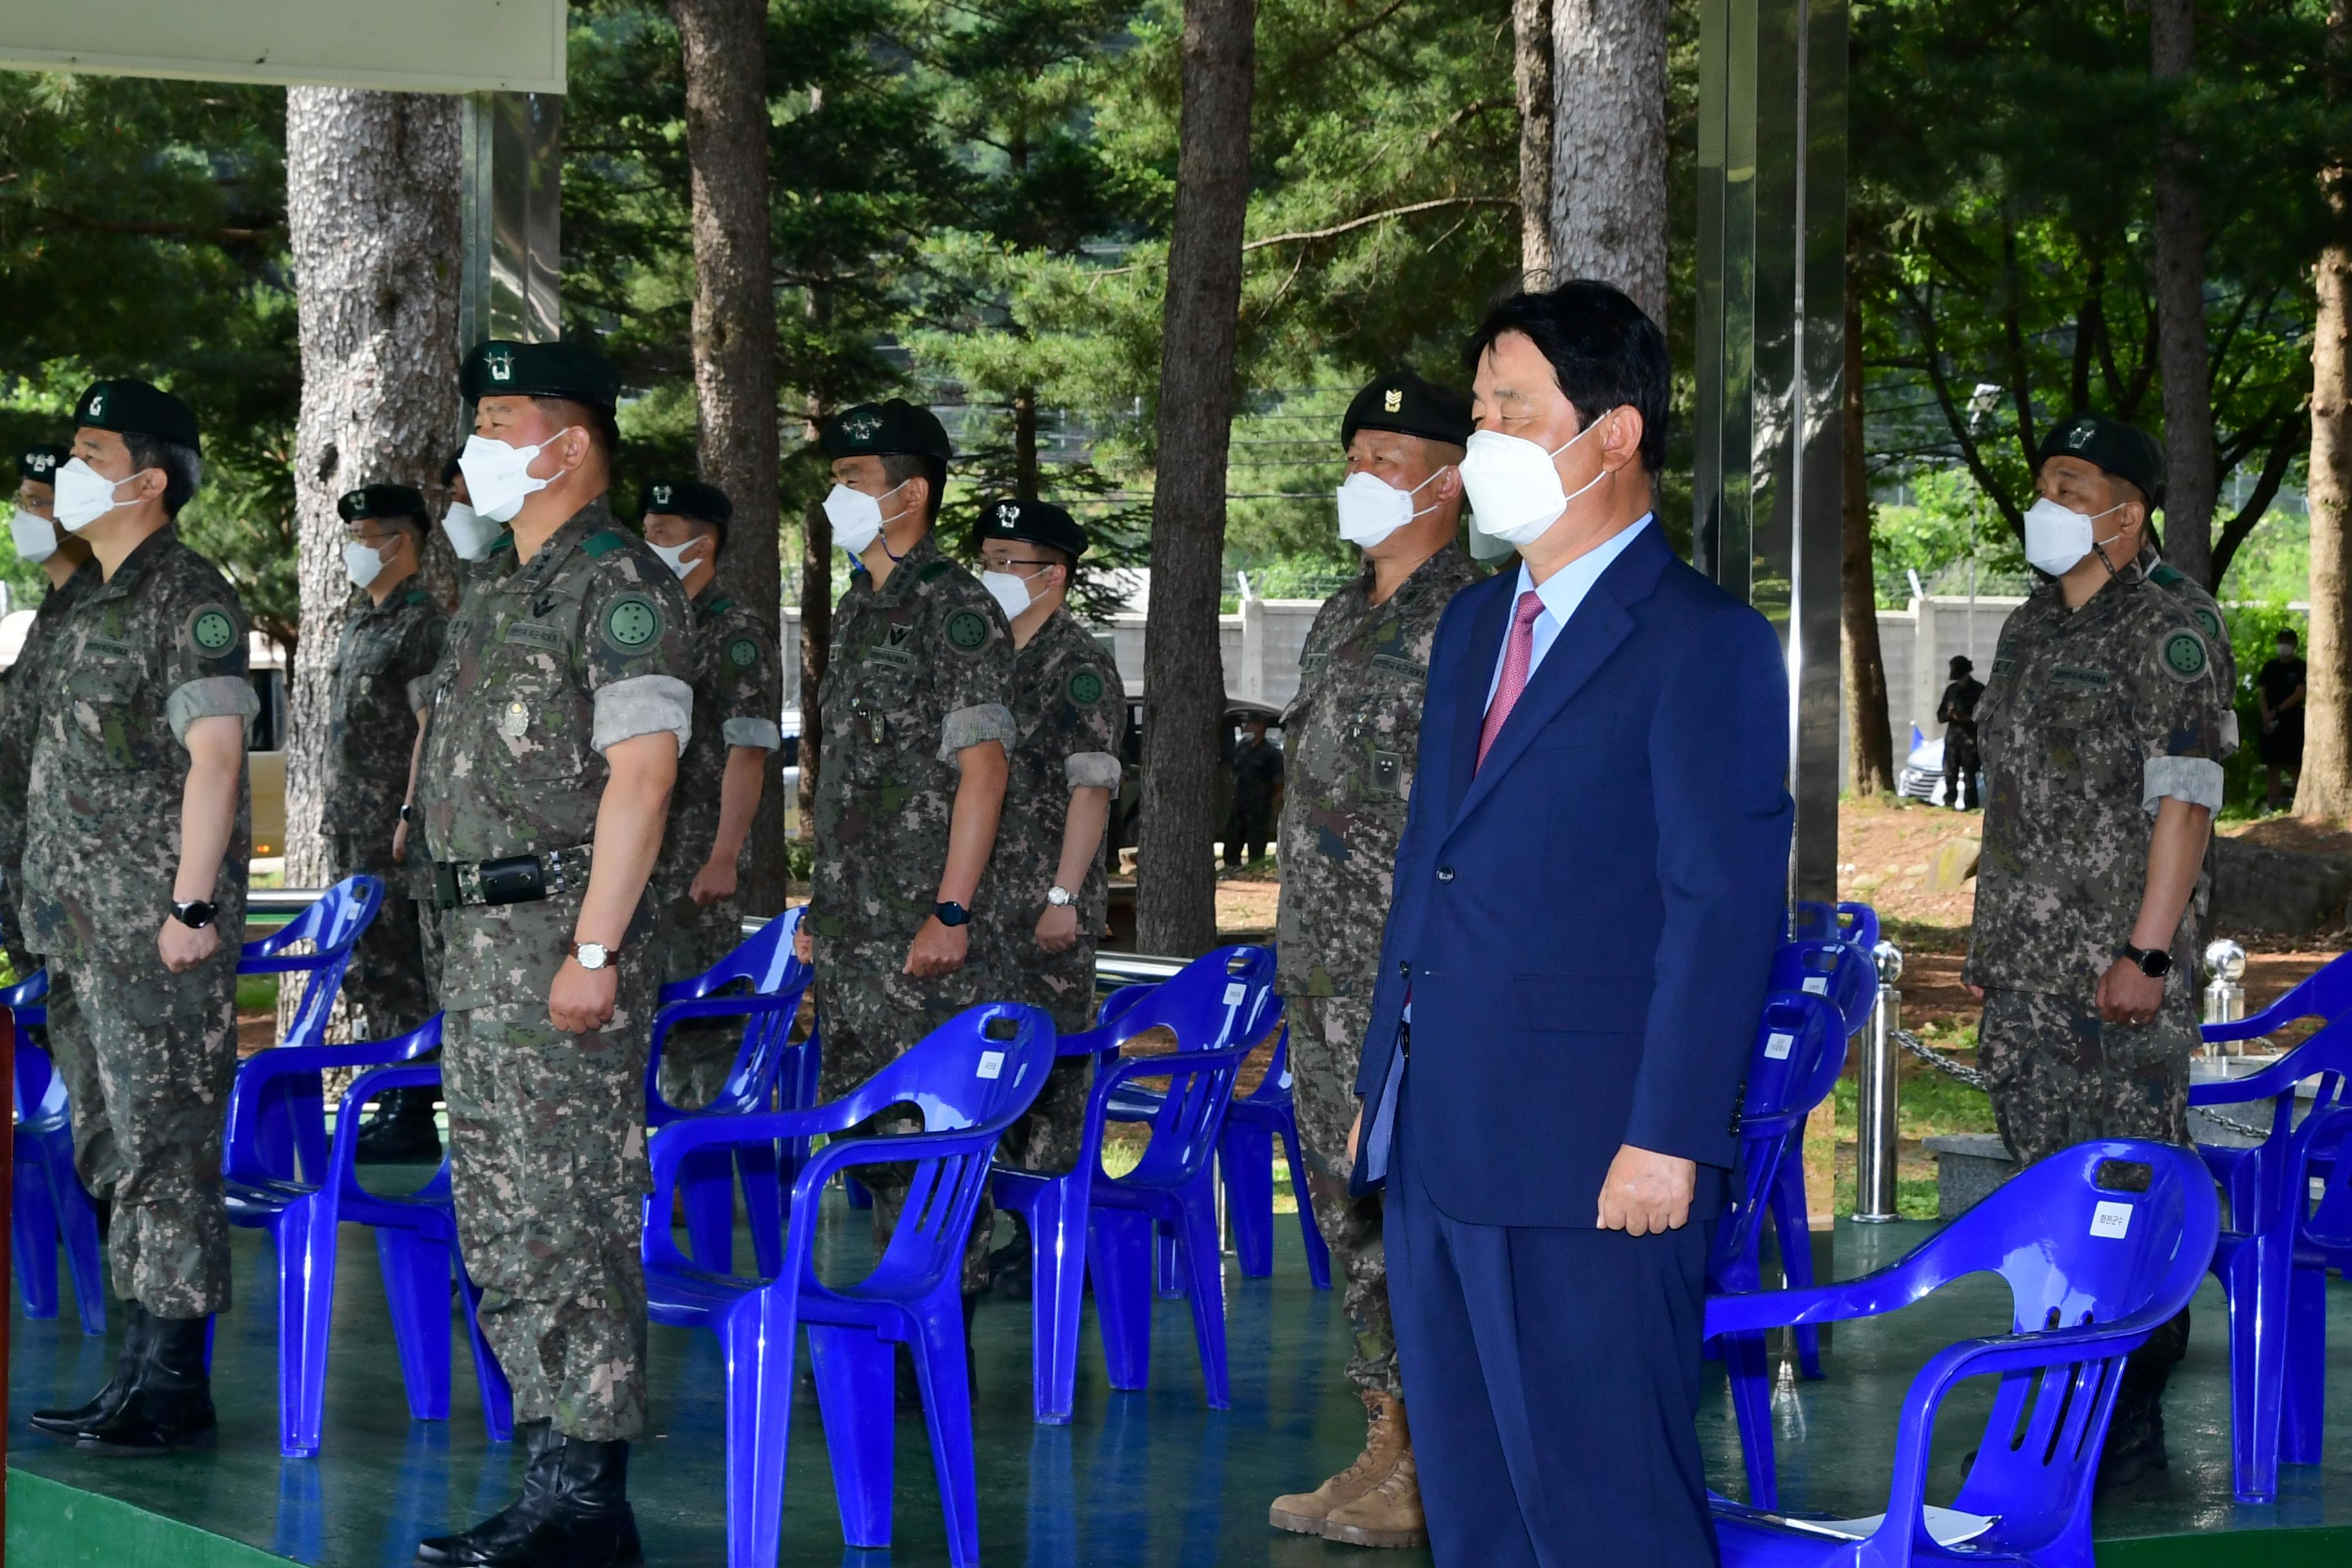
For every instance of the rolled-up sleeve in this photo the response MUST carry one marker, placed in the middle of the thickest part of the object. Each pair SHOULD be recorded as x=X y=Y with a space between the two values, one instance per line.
x=210 y=696
x=760 y=734
x=2197 y=780
x=969 y=727
x=1091 y=770
x=640 y=706
x=2177 y=716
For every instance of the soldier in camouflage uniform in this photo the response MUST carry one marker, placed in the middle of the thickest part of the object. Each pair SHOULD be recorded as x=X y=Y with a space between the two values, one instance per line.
x=61 y=557
x=136 y=847
x=1048 y=893
x=558 y=716
x=2102 y=734
x=1351 y=735
x=916 y=725
x=392 y=637
x=738 y=698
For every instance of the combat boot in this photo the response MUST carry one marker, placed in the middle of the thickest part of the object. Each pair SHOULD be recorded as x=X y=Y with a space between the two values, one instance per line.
x=171 y=1402
x=402 y=1131
x=505 y=1529
x=2133 y=1462
x=1387 y=1516
x=589 y=1524
x=1386 y=1437
x=67 y=1425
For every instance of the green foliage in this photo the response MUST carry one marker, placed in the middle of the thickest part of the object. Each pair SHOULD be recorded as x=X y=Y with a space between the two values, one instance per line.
x=2253 y=640
x=1947 y=522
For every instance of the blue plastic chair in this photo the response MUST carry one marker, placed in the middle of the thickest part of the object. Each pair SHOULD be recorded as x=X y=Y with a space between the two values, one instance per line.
x=50 y=1204
x=2326 y=994
x=766 y=1064
x=2101 y=1245
x=1245 y=1159
x=291 y=1133
x=1798 y=1051
x=971 y=1078
x=415 y=1238
x=1086 y=1224
x=1812 y=920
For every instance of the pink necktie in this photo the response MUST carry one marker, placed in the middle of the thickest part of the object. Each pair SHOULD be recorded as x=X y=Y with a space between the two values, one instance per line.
x=1517 y=655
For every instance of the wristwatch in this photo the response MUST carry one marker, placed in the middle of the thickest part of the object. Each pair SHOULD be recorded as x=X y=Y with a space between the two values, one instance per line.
x=2154 y=961
x=1060 y=897
x=404 y=809
x=951 y=913
x=591 y=956
x=194 y=913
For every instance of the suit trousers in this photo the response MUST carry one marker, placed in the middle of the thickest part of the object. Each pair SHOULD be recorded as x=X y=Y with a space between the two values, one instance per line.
x=1553 y=1376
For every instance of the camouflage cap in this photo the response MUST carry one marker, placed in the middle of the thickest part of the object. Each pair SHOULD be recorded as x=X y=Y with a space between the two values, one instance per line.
x=1037 y=522
x=893 y=428
x=1406 y=403
x=689 y=499
x=381 y=501
x=501 y=368
x=2123 y=450
x=132 y=407
x=39 y=465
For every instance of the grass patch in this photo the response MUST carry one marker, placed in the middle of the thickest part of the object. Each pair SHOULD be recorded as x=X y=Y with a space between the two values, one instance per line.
x=256 y=994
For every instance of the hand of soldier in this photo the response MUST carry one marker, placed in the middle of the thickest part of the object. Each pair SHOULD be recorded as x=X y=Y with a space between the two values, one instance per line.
x=1975 y=991
x=938 y=950
x=2129 y=996
x=1058 y=928
x=581 y=1000
x=185 y=947
x=715 y=882
x=1646 y=1193
x=400 y=843
x=1355 y=1130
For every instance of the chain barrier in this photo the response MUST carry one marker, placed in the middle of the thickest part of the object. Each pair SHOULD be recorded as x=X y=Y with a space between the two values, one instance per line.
x=1974 y=1078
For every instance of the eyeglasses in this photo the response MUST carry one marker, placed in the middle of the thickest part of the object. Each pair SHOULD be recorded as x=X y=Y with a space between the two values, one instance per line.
x=1004 y=563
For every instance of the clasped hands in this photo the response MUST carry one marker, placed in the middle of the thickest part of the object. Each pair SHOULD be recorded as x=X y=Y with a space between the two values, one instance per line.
x=1645 y=1193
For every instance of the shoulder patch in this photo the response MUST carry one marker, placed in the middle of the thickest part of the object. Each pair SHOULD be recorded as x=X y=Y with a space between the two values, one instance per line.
x=2167 y=575
x=603 y=542
x=1085 y=687
x=2183 y=655
x=631 y=622
x=742 y=653
x=967 y=631
x=2207 y=621
x=212 y=630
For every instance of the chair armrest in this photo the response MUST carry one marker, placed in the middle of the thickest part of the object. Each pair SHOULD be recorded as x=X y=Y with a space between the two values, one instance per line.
x=671 y=1014
x=29 y=992
x=342 y=1158
x=2276 y=1081
x=670 y=1145
x=264 y=1067
x=1117 y=1073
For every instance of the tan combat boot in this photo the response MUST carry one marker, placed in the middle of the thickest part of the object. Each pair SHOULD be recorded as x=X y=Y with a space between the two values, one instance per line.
x=1384 y=1440
x=1389 y=1515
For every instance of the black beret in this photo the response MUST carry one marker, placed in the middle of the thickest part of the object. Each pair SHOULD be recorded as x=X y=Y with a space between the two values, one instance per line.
x=381 y=501
x=1411 y=406
x=39 y=465
x=2123 y=450
x=895 y=429
x=450 y=469
x=688 y=498
x=499 y=368
x=1962 y=661
x=131 y=407
x=1037 y=522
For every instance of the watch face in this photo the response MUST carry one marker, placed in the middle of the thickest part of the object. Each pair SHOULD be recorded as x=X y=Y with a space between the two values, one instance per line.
x=593 y=955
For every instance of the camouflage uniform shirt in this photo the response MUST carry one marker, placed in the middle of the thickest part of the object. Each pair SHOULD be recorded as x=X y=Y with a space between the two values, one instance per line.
x=737 y=698
x=20 y=709
x=371 y=726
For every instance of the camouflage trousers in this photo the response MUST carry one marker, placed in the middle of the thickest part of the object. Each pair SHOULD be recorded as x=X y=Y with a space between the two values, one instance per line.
x=148 y=1057
x=1061 y=985
x=547 y=1144
x=688 y=939
x=387 y=986
x=1326 y=1042
x=869 y=1013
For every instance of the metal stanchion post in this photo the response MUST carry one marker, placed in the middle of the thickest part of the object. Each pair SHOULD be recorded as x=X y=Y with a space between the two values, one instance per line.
x=1876 y=1131
x=2225 y=995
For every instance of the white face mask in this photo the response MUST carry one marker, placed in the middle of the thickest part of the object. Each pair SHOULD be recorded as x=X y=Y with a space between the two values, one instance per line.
x=1515 y=492
x=1009 y=591
x=85 y=495
x=675 y=556
x=498 y=477
x=470 y=535
x=2057 y=537
x=36 y=536
x=1371 y=508
x=856 y=517
x=365 y=564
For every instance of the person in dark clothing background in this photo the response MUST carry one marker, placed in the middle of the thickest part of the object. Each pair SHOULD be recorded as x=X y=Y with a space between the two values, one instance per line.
x=1957 y=713
x=1257 y=777
x=2279 y=692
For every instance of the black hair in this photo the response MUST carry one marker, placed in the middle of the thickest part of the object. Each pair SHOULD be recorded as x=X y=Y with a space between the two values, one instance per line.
x=900 y=467
x=183 y=471
x=1604 y=350
x=601 y=426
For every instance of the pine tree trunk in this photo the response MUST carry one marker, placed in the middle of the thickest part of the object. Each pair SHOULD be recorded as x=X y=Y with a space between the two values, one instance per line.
x=1609 y=146
x=1870 y=742
x=1531 y=68
x=2189 y=458
x=1183 y=684
x=2324 y=787
x=1024 y=443
x=725 y=49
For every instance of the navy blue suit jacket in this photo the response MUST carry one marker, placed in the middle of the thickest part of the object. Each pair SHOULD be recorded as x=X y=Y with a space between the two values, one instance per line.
x=1584 y=924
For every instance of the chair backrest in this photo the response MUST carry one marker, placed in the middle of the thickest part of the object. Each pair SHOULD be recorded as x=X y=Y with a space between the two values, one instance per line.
x=1800 y=1042
x=1854 y=924
x=28 y=1001
x=1839 y=972
x=763 y=961
x=2107 y=1232
x=2325 y=994
x=331 y=925
x=1225 y=997
x=39 y=1089
x=764 y=964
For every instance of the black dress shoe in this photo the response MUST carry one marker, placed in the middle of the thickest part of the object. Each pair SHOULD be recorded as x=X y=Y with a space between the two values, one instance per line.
x=506 y=1529
x=402 y=1132
x=590 y=1524
x=67 y=1425
x=171 y=1402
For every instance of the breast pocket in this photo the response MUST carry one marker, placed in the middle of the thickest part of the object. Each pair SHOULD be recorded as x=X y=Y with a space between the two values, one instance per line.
x=2085 y=740
x=109 y=723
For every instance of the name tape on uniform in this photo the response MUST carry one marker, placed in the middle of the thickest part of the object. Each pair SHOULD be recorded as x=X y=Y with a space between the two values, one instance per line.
x=2111 y=1220
x=991 y=1063
x=1778 y=1046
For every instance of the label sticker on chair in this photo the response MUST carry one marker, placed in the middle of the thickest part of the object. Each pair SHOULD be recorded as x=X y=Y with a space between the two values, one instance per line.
x=2111 y=1219
x=1819 y=984
x=1778 y=1046
x=991 y=1063
x=1234 y=992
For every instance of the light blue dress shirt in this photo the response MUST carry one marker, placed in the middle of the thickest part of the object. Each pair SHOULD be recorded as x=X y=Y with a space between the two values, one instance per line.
x=1561 y=593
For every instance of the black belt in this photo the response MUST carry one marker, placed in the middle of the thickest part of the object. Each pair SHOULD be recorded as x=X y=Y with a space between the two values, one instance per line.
x=514 y=879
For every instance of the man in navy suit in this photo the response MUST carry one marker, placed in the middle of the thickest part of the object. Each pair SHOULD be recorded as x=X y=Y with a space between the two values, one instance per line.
x=1589 y=891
